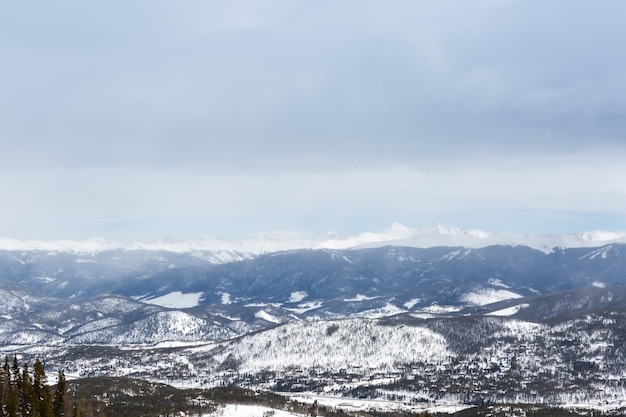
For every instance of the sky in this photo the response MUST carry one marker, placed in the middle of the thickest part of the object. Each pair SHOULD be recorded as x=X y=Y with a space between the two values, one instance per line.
x=149 y=119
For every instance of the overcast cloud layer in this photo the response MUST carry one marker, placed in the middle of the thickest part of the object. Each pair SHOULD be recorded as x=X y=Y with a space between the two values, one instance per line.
x=144 y=119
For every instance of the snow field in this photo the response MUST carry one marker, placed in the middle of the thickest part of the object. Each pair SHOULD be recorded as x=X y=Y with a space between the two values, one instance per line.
x=240 y=410
x=486 y=296
x=176 y=299
x=353 y=404
x=509 y=311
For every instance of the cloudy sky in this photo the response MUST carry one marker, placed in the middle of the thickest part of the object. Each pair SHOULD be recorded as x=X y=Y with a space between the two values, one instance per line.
x=138 y=120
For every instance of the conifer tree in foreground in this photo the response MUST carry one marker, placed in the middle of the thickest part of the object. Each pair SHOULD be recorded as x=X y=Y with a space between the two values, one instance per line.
x=59 y=403
x=26 y=394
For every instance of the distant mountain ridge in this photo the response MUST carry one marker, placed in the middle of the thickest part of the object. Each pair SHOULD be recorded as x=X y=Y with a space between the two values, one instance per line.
x=223 y=250
x=512 y=322
x=181 y=297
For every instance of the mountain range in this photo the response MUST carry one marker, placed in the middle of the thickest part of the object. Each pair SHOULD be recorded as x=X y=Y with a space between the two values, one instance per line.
x=223 y=250
x=384 y=312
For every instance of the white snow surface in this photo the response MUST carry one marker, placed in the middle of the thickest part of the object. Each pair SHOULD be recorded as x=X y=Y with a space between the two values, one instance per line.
x=508 y=311
x=176 y=299
x=241 y=410
x=223 y=250
x=298 y=296
x=487 y=296
x=409 y=304
x=264 y=315
x=353 y=404
x=304 y=307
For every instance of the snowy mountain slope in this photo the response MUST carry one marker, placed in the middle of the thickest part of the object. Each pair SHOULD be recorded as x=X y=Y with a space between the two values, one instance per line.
x=30 y=318
x=559 y=305
x=312 y=284
x=159 y=327
x=345 y=282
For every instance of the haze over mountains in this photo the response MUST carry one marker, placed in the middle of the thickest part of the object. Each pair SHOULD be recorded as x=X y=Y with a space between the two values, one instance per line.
x=396 y=235
x=258 y=282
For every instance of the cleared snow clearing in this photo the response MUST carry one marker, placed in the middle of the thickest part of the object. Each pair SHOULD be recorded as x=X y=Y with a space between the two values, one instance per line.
x=176 y=299
x=387 y=310
x=240 y=410
x=297 y=296
x=409 y=304
x=226 y=298
x=359 y=297
x=486 y=296
x=508 y=311
x=304 y=307
x=353 y=404
x=437 y=309
x=264 y=315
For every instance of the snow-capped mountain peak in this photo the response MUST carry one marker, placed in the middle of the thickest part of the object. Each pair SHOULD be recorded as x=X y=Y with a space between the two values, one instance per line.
x=398 y=231
x=397 y=234
x=441 y=229
x=602 y=236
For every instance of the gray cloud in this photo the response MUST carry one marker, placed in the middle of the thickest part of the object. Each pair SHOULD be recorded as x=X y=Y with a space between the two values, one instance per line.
x=304 y=88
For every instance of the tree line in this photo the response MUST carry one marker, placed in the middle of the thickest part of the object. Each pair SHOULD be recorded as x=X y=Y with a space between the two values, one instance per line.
x=24 y=392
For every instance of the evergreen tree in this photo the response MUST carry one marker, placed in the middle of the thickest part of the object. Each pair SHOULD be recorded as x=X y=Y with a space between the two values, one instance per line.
x=59 y=405
x=46 y=407
x=79 y=407
x=16 y=372
x=11 y=402
x=25 y=390
x=26 y=394
x=5 y=381
x=41 y=400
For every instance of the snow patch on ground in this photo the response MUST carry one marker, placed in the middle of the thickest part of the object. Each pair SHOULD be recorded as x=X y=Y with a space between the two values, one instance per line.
x=172 y=344
x=359 y=297
x=387 y=310
x=437 y=309
x=304 y=307
x=298 y=296
x=409 y=304
x=509 y=311
x=353 y=404
x=86 y=261
x=176 y=299
x=497 y=283
x=486 y=296
x=227 y=317
x=226 y=298
x=264 y=315
x=241 y=410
